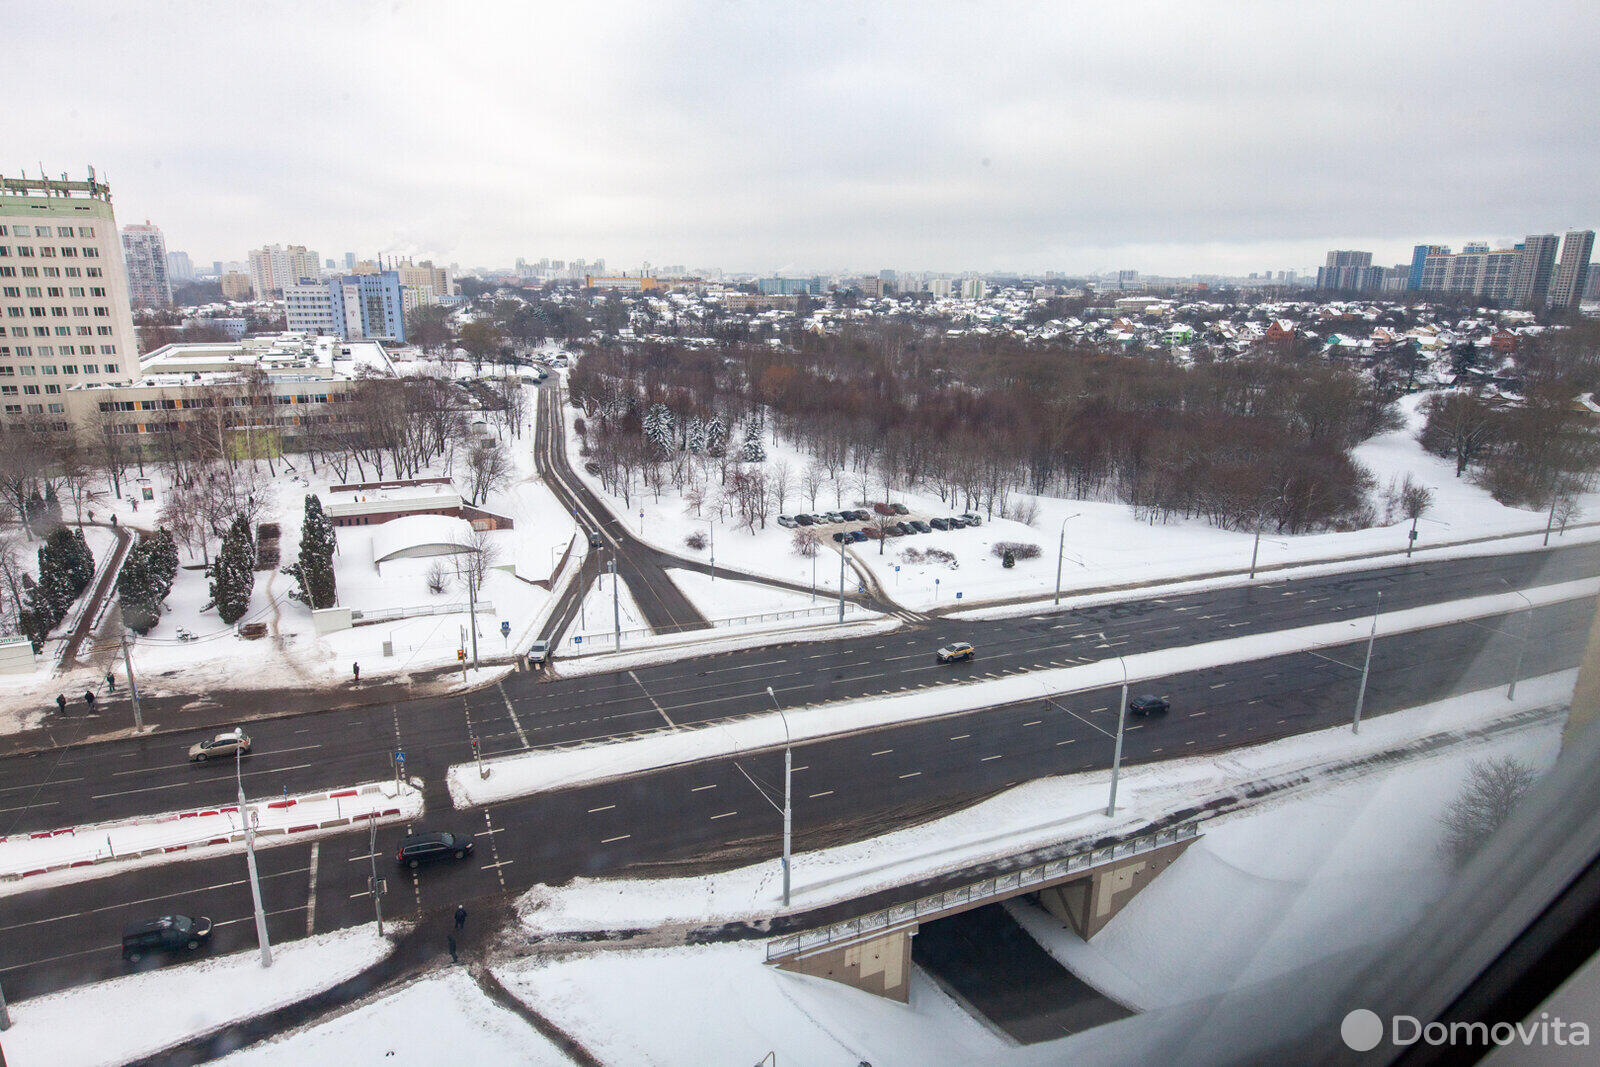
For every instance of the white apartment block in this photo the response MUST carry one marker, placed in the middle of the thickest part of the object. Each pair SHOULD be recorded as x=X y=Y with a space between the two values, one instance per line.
x=64 y=306
x=274 y=268
x=144 y=253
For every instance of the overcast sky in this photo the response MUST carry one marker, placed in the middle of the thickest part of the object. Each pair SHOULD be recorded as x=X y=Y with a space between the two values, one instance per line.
x=1167 y=138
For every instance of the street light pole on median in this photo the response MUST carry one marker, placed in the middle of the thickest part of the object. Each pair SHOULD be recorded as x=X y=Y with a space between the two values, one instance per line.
x=616 y=603
x=1366 y=668
x=1061 y=551
x=133 y=685
x=1116 y=758
x=788 y=806
x=841 y=581
x=250 y=861
x=1522 y=645
x=372 y=854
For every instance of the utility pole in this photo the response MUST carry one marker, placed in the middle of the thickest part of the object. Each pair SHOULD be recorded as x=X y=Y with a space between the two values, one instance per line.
x=841 y=581
x=1116 y=757
x=472 y=611
x=788 y=804
x=713 y=528
x=133 y=684
x=1255 y=553
x=372 y=850
x=1551 y=521
x=1411 y=540
x=1522 y=646
x=1366 y=668
x=250 y=863
x=1061 y=551
x=616 y=603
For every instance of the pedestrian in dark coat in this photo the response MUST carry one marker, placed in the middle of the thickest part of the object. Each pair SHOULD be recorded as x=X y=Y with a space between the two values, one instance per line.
x=88 y=698
x=61 y=702
x=461 y=916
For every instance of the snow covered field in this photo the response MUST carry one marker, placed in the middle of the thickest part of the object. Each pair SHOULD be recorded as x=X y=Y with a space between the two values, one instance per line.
x=125 y=1018
x=1271 y=888
x=444 y=1018
x=1104 y=545
x=548 y=769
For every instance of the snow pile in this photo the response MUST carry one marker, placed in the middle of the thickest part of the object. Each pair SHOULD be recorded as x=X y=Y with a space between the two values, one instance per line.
x=126 y=1018
x=81 y=852
x=559 y=768
x=1007 y=824
x=462 y=1025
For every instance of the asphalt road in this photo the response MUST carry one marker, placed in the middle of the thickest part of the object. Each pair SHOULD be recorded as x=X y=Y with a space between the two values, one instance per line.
x=98 y=782
x=711 y=815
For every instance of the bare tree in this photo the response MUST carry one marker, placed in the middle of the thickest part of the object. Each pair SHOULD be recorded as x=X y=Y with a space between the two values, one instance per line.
x=488 y=469
x=812 y=479
x=1492 y=792
x=778 y=476
x=477 y=553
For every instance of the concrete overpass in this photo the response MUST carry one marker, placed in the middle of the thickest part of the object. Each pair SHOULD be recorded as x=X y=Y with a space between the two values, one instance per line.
x=1085 y=890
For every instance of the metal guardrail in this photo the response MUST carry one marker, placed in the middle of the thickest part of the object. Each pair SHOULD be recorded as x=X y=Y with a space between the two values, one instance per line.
x=358 y=616
x=897 y=916
x=604 y=640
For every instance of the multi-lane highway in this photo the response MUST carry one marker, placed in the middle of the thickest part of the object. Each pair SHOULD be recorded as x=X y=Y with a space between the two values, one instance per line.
x=708 y=813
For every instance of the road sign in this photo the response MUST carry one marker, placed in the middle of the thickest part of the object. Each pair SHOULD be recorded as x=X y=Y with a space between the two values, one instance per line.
x=578 y=640
x=897 y=568
x=958 y=594
x=505 y=628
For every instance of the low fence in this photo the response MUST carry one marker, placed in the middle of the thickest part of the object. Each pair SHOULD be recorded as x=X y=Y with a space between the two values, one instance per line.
x=974 y=894
x=359 y=617
x=606 y=640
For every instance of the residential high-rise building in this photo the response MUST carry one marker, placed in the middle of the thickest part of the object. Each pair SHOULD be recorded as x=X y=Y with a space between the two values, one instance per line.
x=144 y=252
x=65 y=318
x=349 y=306
x=1483 y=274
x=273 y=268
x=235 y=285
x=1572 y=273
x=1351 y=270
x=1530 y=285
x=179 y=267
x=1419 y=256
x=349 y=261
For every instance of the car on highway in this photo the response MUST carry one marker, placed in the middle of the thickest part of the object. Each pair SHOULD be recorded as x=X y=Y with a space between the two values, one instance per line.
x=169 y=933
x=955 y=651
x=417 y=849
x=222 y=746
x=1149 y=704
x=596 y=541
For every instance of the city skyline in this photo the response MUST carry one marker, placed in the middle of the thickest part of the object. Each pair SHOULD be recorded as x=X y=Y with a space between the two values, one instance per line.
x=1172 y=142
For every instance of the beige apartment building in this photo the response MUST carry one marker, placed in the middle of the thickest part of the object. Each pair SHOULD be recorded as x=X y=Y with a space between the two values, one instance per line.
x=65 y=320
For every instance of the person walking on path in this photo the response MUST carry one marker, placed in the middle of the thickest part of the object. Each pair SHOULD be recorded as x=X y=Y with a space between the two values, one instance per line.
x=111 y=682
x=88 y=698
x=61 y=702
x=451 y=941
x=461 y=917
x=355 y=669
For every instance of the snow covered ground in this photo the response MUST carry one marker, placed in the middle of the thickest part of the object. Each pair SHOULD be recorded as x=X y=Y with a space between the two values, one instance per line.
x=1271 y=888
x=126 y=1018
x=292 y=653
x=444 y=1018
x=725 y=598
x=750 y=1010
x=561 y=768
x=1043 y=812
x=78 y=853
x=1104 y=545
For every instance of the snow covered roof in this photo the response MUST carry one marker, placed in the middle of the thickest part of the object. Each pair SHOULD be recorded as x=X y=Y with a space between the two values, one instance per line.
x=420 y=535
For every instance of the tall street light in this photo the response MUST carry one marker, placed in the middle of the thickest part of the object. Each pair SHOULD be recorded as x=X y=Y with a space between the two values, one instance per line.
x=1061 y=551
x=788 y=808
x=250 y=860
x=1116 y=758
x=1522 y=646
x=1366 y=668
x=713 y=528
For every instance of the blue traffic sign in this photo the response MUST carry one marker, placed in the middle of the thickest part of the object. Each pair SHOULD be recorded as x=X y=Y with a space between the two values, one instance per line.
x=505 y=628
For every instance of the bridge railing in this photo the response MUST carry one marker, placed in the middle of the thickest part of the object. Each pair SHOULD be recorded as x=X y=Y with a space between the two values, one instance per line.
x=971 y=895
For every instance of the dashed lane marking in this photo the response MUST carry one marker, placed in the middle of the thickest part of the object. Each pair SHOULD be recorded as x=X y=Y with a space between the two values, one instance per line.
x=608 y=840
x=724 y=815
x=698 y=788
x=604 y=807
x=311 y=892
x=913 y=774
x=824 y=793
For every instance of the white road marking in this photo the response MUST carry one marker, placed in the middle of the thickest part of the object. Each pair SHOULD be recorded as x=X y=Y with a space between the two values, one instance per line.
x=511 y=711
x=311 y=893
x=724 y=815
x=698 y=788
x=824 y=793
x=652 y=699
x=607 y=807
x=913 y=774
x=608 y=840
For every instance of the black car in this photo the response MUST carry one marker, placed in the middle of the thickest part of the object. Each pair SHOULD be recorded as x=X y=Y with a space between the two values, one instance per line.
x=596 y=541
x=1149 y=704
x=939 y=524
x=899 y=509
x=169 y=933
x=920 y=526
x=838 y=536
x=804 y=520
x=418 y=849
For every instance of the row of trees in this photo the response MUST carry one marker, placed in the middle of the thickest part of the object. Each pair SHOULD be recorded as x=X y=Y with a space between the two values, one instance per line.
x=66 y=567
x=146 y=578
x=1259 y=441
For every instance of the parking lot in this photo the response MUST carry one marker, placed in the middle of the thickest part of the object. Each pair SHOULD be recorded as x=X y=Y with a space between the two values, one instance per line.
x=854 y=525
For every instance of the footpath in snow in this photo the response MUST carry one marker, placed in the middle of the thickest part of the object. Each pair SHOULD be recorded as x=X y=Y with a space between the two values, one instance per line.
x=77 y=853
x=561 y=768
x=127 y=1018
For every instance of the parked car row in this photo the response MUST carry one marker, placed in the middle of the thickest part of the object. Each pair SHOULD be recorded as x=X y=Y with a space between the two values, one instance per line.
x=831 y=518
x=898 y=529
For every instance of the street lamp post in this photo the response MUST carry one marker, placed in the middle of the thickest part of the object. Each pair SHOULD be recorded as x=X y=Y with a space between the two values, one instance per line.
x=1366 y=668
x=1061 y=551
x=616 y=603
x=1116 y=758
x=250 y=861
x=841 y=581
x=1522 y=645
x=713 y=528
x=788 y=806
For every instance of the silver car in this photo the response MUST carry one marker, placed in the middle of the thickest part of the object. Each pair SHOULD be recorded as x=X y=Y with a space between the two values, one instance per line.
x=222 y=746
